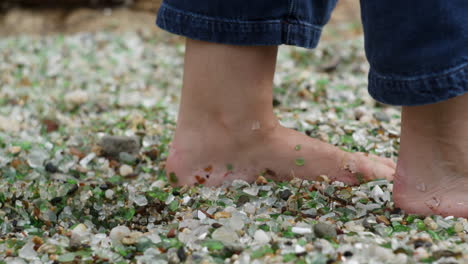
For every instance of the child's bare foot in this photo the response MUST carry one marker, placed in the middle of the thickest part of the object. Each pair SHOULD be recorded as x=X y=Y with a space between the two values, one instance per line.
x=226 y=128
x=432 y=174
x=212 y=155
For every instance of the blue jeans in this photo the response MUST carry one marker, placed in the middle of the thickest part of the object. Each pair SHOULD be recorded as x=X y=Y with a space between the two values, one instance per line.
x=417 y=49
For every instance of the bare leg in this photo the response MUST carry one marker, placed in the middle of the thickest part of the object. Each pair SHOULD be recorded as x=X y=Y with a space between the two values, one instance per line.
x=227 y=130
x=432 y=174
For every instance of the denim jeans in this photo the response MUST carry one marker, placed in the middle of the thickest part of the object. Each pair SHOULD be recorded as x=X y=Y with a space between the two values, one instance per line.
x=417 y=49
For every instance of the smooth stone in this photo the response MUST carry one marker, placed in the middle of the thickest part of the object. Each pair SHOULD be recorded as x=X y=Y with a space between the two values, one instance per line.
x=50 y=167
x=118 y=233
x=172 y=256
x=285 y=194
x=9 y=125
x=132 y=238
x=226 y=235
x=14 y=149
x=181 y=254
x=323 y=230
x=109 y=194
x=125 y=170
x=76 y=98
x=381 y=116
x=243 y=199
x=114 y=145
x=236 y=222
x=79 y=235
x=127 y=158
x=28 y=252
x=301 y=230
x=261 y=237
x=140 y=200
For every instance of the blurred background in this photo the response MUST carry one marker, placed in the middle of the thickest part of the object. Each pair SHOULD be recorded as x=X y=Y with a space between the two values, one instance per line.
x=72 y=16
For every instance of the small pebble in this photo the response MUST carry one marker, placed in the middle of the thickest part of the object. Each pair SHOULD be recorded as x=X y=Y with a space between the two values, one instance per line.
x=225 y=235
x=359 y=112
x=172 y=256
x=9 y=125
x=50 y=167
x=430 y=223
x=261 y=180
x=323 y=230
x=382 y=219
x=323 y=178
x=242 y=200
x=76 y=98
x=285 y=194
x=219 y=215
x=37 y=241
x=301 y=230
x=27 y=252
x=114 y=145
x=153 y=154
x=261 y=237
x=132 y=238
x=127 y=158
x=125 y=170
x=14 y=149
x=79 y=235
x=236 y=222
x=109 y=194
x=298 y=249
x=458 y=227
x=422 y=243
x=171 y=233
x=216 y=225
x=118 y=233
x=181 y=254
x=382 y=116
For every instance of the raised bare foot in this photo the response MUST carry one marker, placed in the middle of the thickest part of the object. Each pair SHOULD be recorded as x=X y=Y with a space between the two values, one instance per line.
x=432 y=174
x=211 y=155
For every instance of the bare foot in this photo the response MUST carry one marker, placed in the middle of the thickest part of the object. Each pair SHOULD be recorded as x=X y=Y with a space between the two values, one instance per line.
x=432 y=174
x=212 y=155
x=227 y=129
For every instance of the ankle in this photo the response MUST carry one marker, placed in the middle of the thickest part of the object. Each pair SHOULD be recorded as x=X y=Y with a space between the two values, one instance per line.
x=226 y=126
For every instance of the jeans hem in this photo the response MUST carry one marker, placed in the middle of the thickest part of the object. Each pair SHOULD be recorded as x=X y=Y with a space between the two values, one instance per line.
x=238 y=32
x=419 y=90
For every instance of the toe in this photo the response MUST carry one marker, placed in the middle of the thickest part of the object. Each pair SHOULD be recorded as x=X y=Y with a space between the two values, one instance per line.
x=374 y=167
x=389 y=162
